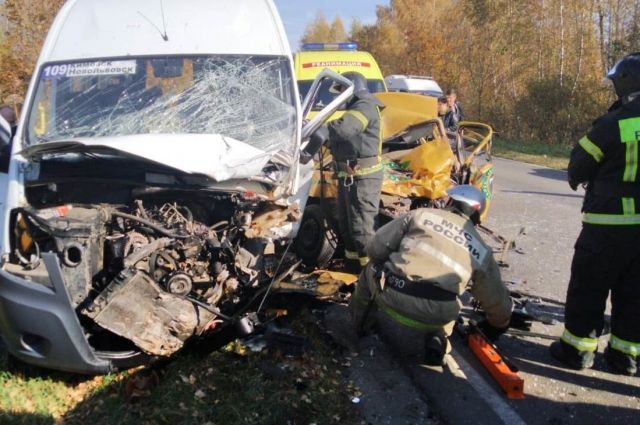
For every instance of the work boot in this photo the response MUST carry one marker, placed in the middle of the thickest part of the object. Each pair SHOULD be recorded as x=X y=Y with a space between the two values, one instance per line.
x=620 y=362
x=571 y=357
x=435 y=347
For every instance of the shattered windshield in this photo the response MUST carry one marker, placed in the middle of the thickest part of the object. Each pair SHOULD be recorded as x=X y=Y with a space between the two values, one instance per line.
x=246 y=98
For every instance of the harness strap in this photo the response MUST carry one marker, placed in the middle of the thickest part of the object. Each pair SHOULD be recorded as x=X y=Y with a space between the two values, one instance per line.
x=358 y=167
x=420 y=289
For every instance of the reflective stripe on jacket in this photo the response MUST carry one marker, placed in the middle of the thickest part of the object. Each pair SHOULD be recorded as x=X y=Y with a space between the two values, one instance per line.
x=358 y=133
x=607 y=158
x=444 y=249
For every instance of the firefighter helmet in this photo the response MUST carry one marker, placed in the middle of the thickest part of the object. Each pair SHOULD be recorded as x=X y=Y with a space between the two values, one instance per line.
x=469 y=200
x=359 y=83
x=625 y=75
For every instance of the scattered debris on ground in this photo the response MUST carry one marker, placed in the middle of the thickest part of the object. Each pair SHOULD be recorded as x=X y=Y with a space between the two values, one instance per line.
x=287 y=374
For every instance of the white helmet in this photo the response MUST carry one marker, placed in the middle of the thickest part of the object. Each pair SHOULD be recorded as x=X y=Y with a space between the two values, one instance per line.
x=469 y=200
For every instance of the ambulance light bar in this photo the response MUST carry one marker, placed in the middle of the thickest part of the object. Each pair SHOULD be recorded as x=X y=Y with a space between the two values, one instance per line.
x=330 y=46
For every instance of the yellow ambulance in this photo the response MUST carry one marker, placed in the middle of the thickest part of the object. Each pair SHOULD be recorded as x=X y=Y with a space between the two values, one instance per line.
x=340 y=57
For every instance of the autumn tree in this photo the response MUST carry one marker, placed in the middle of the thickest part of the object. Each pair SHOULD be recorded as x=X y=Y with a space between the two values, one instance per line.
x=337 y=33
x=384 y=40
x=27 y=23
x=531 y=68
x=618 y=23
x=365 y=34
x=320 y=31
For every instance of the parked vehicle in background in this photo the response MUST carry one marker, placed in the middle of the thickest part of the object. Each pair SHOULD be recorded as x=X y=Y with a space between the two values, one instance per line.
x=339 y=57
x=413 y=84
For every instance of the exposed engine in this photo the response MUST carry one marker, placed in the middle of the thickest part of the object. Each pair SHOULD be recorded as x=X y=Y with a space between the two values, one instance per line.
x=155 y=272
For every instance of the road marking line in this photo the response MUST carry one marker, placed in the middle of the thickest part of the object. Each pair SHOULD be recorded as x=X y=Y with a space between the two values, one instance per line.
x=461 y=369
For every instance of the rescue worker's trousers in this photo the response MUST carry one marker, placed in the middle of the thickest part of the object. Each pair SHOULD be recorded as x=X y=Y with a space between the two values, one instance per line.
x=606 y=259
x=427 y=315
x=358 y=205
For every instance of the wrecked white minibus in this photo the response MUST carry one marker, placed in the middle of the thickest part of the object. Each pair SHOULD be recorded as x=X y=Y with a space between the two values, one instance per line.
x=153 y=181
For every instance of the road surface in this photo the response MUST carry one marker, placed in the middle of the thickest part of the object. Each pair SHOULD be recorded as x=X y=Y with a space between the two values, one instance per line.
x=539 y=200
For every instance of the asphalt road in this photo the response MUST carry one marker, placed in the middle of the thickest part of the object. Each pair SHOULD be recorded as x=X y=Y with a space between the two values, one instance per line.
x=539 y=200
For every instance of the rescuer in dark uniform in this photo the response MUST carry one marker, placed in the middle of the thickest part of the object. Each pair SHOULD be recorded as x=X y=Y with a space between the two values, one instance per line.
x=9 y=114
x=356 y=145
x=422 y=262
x=607 y=258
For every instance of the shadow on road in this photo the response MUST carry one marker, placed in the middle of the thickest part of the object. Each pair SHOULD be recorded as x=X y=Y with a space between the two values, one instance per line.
x=549 y=173
x=530 y=192
x=573 y=413
x=554 y=370
x=553 y=395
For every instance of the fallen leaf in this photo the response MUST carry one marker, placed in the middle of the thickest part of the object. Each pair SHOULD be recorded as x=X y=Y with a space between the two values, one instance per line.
x=329 y=276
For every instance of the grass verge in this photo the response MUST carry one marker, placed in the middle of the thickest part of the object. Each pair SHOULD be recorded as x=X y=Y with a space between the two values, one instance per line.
x=235 y=386
x=552 y=156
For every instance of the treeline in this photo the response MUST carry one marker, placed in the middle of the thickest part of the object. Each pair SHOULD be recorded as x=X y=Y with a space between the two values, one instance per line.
x=24 y=25
x=531 y=68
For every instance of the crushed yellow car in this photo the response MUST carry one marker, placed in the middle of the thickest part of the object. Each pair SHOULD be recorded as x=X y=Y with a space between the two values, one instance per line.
x=421 y=161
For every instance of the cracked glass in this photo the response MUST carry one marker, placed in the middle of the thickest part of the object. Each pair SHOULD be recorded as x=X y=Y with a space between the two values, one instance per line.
x=246 y=98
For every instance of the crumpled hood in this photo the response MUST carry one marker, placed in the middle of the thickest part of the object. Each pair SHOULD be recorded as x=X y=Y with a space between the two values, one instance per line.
x=216 y=156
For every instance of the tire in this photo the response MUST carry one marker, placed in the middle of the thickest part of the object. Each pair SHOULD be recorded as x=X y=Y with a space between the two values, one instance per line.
x=317 y=241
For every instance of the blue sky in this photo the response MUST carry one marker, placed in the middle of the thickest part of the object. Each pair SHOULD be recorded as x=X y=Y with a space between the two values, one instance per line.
x=296 y=14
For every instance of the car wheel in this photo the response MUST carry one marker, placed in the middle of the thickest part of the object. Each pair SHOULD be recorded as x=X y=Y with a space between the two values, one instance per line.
x=317 y=241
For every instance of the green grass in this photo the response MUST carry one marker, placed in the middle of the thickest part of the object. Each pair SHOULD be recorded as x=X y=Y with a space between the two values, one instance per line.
x=30 y=395
x=222 y=387
x=553 y=156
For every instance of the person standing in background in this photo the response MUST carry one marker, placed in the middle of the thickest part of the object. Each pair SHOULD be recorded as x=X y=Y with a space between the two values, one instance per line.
x=454 y=105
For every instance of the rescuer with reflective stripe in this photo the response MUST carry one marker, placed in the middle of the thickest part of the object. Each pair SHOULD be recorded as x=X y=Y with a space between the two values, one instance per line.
x=356 y=145
x=606 y=258
x=421 y=263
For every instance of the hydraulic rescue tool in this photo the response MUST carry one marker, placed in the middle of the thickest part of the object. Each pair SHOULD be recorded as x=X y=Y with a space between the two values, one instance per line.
x=501 y=368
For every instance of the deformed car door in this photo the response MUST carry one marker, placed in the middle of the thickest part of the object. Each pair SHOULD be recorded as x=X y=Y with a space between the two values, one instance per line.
x=319 y=119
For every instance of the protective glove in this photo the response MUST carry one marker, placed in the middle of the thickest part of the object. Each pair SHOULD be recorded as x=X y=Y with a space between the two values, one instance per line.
x=491 y=332
x=317 y=139
x=573 y=185
x=520 y=320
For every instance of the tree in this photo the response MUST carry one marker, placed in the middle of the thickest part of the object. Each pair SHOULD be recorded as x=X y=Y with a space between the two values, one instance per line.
x=337 y=32
x=27 y=23
x=531 y=68
x=385 y=40
x=320 y=31
x=317 y=31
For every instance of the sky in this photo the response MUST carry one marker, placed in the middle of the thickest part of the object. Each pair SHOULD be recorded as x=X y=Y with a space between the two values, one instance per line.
x=296 y=14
